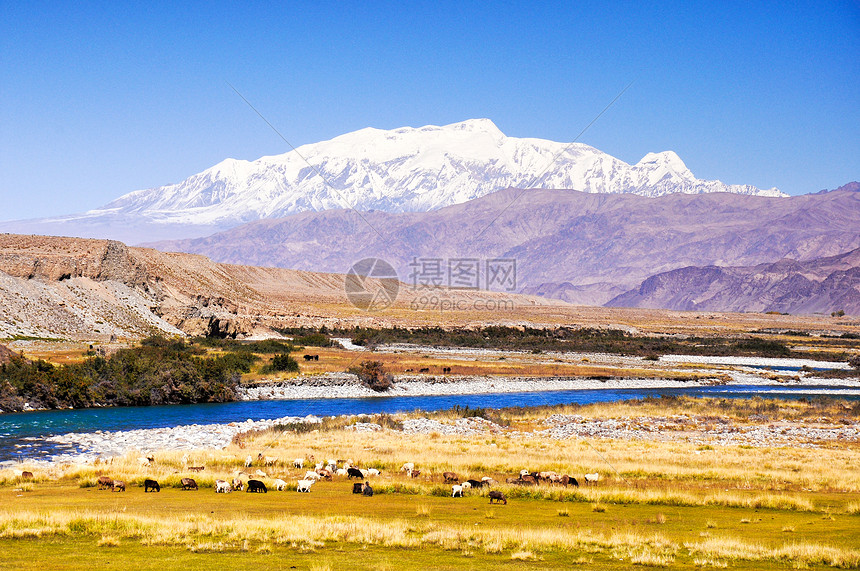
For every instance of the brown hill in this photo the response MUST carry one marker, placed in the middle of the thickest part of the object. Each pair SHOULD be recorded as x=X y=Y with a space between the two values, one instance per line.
x=83 y=288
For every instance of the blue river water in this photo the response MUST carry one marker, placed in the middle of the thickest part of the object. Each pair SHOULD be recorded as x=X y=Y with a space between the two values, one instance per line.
x=24 y=433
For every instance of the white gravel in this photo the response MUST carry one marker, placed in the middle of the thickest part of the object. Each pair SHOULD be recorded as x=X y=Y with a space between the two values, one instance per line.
x=773 y=362
x=185 y=437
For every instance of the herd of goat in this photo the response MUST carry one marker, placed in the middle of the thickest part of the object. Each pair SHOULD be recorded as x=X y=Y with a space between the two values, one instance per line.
x=328 y=470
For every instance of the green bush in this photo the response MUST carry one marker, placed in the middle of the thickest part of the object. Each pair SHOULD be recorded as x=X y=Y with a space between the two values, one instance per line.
x=283 y=362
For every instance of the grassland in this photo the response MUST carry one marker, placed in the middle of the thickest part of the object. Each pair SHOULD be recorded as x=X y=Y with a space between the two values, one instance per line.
x=671 y=504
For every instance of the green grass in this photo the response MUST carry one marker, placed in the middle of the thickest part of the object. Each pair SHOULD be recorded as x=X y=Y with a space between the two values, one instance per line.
x=116 y=531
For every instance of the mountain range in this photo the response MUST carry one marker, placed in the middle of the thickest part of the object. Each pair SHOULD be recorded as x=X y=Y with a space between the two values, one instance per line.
x=822 y=285
x=400 y=170
x=579 y=247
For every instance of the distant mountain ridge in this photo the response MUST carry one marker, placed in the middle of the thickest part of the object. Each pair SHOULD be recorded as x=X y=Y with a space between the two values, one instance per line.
x=400 y=170
x=579 y=247
x=822 y=285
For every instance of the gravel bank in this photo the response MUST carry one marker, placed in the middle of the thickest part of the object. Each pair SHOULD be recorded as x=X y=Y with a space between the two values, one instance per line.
x=344 y=385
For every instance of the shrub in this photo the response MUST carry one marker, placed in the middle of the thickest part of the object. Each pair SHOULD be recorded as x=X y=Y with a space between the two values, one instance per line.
x=283 y=362
x=373 y=375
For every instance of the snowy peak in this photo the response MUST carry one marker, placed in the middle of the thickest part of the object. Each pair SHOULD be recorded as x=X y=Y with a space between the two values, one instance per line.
x=667 y=160
x=405 y=169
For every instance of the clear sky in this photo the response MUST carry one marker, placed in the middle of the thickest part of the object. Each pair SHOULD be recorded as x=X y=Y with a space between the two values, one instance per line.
x=99 y=99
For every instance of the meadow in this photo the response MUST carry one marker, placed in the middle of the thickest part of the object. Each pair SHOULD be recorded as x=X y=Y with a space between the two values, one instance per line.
x=659 y=503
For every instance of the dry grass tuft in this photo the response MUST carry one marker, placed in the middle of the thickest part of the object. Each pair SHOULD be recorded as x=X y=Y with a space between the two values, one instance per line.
x=108 y=541
x=523 y=555
x=423 y=511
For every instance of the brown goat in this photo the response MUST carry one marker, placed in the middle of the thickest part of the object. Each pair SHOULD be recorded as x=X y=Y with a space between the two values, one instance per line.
x=450 y=477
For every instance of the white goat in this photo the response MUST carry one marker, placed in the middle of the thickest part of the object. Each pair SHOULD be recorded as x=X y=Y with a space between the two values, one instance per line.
x=280 y=485
x=408 y=467
x=457 y=491
x=312 y=475
x=299 y=463
x=222 y=487
x=592 y=478
x=305 y=486
x=372 y=472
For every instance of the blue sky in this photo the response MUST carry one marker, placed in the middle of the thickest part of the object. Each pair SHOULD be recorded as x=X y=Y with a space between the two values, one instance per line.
x=98 y=99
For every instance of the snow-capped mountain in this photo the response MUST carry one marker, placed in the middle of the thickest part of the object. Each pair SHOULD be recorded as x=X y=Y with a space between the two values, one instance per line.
x=406 y=169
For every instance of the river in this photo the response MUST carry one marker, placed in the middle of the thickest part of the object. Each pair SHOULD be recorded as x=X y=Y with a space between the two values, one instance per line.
x=23 y=435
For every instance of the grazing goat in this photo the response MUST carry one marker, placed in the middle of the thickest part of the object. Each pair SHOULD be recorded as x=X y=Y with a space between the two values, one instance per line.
x=256 y=486
x=118 y=486
x=196 y=468
x=144 y=461
x=151 y=485
x=305 y=486
x=26 y=475
x=475 y=483
x=260 y=473
x=188 y=484
x=450 y=477
x=591 y=478
x=569 y=480
x=354 y=473
x=325 y=474
x=267 y=460
x=312 y=475
x=299 y=463
x=366 y=490
x=372 y=472
x=523 y=473
x=408 y=466
x=466 y=485
x=413 y=473
x=105 y=482
x=238 y=484
x=498 y=497
x=222 y=487
x=457 y=491
x=248 y=461
x=489 y=481
x=341 y=472
x=280 y=485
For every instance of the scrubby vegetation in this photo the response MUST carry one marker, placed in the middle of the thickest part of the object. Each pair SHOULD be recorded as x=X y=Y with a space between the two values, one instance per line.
x=373 y=375
x=282 y=362
x=158 y=371
x=573 y=339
